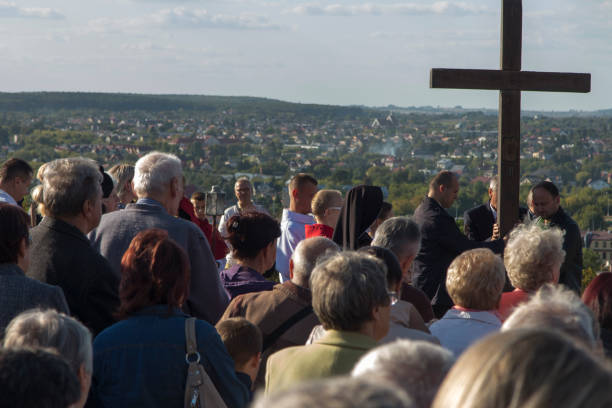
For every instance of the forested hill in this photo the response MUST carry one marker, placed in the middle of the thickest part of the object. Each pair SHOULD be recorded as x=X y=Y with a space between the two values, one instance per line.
x=120 y=102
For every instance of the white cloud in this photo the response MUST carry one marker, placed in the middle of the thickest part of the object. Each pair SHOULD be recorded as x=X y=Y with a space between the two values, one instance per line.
x=12 y=10
x=182 y=17
x=439 y=7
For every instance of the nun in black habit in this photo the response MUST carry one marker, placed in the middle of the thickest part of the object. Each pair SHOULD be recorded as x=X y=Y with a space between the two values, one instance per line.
x=360 y=209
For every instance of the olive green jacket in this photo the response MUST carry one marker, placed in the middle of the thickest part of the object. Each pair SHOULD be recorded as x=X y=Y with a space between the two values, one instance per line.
x=336 y=353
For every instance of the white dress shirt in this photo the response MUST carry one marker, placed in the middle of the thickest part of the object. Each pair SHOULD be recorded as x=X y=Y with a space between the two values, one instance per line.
x=292 y=232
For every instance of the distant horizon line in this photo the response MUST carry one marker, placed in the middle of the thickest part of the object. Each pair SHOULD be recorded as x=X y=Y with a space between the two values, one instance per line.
x=422 y=107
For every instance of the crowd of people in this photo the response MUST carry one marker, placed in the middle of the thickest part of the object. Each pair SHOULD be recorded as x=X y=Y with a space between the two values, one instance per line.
x=116 y=291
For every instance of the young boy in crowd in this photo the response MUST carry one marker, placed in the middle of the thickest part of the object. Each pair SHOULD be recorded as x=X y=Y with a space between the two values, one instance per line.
x=243 y=341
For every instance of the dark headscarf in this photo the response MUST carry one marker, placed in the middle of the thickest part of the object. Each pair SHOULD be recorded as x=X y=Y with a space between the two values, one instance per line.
x=360 y=209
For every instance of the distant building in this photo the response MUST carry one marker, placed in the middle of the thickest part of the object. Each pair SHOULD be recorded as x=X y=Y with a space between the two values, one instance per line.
x=601 y=243
x=598 y=185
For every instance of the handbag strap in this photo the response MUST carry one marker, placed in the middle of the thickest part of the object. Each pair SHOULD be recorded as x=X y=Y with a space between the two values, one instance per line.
x=271 y=338
x=199 y=389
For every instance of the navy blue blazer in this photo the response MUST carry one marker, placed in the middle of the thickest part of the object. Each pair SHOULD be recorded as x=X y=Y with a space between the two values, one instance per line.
x=478 y=222
x=441 y=242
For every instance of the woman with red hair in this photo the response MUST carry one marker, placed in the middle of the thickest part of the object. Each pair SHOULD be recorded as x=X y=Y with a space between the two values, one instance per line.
x=140 y=361
x=598 y=297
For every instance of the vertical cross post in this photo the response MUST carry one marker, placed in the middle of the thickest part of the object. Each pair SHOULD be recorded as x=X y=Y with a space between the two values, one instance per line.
x=509 y=134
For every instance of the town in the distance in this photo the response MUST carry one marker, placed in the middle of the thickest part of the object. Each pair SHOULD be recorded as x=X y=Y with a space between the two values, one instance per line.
x=220 y=139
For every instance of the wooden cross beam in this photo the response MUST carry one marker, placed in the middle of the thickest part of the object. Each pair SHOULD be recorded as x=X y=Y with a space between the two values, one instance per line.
x=510 y=81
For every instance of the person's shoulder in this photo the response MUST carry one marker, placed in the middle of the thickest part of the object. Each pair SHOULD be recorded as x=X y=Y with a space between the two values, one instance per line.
x=479 y=209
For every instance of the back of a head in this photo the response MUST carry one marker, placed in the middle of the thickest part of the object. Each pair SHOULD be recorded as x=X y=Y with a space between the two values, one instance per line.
x=154 y=172
x=346 y=288
x=242 y=339
x=50 y=329
x=558 y=308
x=475 y=279
x=526 y=368
x=339 y=392
x=251 y=232
x=400 y=235
x=306 y=255
x=531 y=254
x=417 y=367
x=122 y=173
x=36 y=379
x=598 y=297
x=68 y=183
x=300 y=180
x=14 y=167
x=154 y=270
x=394 y=270
x=325 y=199
x=14 y=227
x=444 y=178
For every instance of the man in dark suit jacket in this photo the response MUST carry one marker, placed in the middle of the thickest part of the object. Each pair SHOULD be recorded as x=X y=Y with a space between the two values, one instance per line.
x=441 y=241
x=61 y=253
x=158 y=183
x=478 y=222
x=546 y=203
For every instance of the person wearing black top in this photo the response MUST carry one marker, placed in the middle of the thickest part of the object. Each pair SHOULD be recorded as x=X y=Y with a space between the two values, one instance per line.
x=441 y=241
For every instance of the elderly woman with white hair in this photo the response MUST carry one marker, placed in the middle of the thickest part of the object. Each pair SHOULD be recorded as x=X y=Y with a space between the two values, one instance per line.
x=49 y=329
x=474 y=281
x=533 y=257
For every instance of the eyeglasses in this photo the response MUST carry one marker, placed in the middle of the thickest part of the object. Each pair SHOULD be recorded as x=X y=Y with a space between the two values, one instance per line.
x=393 y=296
x=334 y=208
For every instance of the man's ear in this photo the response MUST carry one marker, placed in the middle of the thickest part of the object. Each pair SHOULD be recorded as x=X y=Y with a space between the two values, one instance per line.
x=294 y=193
x=86 y=208
x=441 y=188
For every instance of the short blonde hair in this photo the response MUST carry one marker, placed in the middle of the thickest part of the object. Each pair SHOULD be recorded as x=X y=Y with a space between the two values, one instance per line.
x=325 y=199
x=531 y=253
x=526 y=368
x=475 y=279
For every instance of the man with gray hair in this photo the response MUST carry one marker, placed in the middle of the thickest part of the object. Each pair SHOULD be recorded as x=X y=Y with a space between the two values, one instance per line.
x=284 y=315
x=558 y=308
x=401 y=235
x=49 y=329
x=61 y=253
x=479 y=223
x=350 y=298
x=158 y=183
x=417 y=367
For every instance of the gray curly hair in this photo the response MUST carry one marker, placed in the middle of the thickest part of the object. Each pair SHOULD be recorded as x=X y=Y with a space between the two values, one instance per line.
x=530 y=255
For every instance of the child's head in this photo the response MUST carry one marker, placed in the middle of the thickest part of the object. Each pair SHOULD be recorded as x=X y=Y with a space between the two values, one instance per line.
x=243 y=341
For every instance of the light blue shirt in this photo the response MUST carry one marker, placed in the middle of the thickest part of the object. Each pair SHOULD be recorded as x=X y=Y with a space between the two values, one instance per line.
x=458 y=329
x=292 y=232
x=7 y=198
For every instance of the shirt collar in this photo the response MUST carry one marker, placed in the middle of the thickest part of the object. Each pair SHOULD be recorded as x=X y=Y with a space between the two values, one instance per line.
x=149 y=201
x=297 y=217
x=7 y=198
x=493 y=211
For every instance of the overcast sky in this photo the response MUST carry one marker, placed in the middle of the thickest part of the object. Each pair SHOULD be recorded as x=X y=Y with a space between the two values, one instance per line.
x=344 y=52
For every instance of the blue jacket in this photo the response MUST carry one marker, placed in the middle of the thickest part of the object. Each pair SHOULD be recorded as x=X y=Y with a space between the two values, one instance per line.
x=140 y=362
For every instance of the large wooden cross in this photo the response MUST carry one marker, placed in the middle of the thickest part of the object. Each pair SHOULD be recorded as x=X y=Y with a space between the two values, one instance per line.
x=510 y=81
